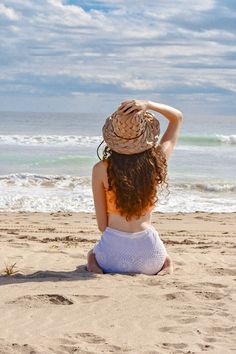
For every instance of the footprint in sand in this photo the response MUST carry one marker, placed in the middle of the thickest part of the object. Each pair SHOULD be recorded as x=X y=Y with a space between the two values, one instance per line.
x=180 y=296
x=175 y=345
x=213 y=285
x=90 y=337
x=93 y=340
x=223 y=329
x=42 y=299
x=221 y=271
x=210 y=339
x=90 y=298
x=209 y=295
x=169 y=329
x=188 y=320
x=205 y=347
x=17 y=348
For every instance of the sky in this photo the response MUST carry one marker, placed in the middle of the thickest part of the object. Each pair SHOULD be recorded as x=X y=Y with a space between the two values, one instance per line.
x=87 y=56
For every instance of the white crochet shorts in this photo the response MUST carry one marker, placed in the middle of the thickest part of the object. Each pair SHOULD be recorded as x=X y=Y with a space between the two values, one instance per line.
x=125 y=252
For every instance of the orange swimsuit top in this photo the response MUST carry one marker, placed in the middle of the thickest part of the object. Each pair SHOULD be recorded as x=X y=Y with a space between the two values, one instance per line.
x=110 y=199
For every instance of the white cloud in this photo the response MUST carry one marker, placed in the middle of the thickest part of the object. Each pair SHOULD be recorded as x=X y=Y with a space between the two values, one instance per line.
x=9 y=13
x=69 y=14
x=139 y=84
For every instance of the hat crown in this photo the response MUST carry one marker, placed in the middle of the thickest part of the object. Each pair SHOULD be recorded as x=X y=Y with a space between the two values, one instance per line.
x=128 y=127
x=131 y=134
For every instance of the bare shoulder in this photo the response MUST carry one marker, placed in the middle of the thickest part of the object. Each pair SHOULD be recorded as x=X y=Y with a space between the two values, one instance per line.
x=99 y=169
x=100 y=173
x=99 y=166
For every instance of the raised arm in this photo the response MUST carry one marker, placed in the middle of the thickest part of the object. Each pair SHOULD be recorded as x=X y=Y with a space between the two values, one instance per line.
x=174 y=116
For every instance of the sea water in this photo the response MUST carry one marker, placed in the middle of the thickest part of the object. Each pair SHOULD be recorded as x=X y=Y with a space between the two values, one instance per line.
x=46 y=161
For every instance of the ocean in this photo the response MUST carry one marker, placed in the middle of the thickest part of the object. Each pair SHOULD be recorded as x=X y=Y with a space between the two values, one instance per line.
x=46 y=161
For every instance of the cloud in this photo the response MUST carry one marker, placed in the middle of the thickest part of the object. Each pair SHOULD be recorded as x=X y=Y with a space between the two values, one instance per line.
x=8 y=13
x=55 y=48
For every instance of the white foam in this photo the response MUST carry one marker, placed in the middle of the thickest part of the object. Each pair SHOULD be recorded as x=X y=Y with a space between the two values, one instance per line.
x=50 y=140
x=227 y=139
x=32 y=192
x=29 y=180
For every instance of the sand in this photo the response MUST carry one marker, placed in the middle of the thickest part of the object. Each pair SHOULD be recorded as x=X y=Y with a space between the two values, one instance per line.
x=53 y=305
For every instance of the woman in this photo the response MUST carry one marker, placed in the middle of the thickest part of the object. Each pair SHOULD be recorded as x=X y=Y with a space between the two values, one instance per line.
x=125 y=187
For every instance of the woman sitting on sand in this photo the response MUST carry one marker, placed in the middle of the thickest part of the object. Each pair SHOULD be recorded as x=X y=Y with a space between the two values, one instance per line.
x=125 y=185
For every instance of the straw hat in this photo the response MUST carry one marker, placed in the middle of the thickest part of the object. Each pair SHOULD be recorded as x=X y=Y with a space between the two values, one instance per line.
x=131 y=134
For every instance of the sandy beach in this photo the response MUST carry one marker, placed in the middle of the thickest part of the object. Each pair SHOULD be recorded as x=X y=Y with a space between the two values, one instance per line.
x=51 y=304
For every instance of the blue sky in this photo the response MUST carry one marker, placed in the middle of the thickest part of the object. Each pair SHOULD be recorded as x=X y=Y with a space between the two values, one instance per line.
x=87 y=56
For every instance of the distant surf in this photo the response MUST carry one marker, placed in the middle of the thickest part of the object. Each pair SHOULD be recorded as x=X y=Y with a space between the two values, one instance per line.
x=49 y=140
x=84 y=140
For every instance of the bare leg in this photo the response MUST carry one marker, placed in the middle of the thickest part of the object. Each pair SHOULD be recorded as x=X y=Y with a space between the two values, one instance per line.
x=92 y=265
x=167 y=267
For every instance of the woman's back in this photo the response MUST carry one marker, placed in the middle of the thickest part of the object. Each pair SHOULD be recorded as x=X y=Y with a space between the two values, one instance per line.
x=115 y=219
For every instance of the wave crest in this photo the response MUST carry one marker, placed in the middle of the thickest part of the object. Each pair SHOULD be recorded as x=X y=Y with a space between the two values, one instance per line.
x=84 y=140
x=50 y=140
x=227 y=139
x=207 y=187
x=208 y=140
x=28 y=180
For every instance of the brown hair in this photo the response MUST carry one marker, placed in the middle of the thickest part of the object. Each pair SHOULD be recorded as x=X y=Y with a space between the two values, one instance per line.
x=135 y=179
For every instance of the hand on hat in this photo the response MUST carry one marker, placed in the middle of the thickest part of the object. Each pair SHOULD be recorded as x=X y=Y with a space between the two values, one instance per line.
x=127 y=107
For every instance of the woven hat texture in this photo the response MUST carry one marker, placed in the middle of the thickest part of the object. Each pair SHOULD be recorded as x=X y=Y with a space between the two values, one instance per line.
x=131 y=134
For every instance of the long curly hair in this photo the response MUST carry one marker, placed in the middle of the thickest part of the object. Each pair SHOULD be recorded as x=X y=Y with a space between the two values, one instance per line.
x=136 y=179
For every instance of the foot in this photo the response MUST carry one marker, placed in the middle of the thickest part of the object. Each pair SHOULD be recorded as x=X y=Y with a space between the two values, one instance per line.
x=92 y=265
x=167 y=268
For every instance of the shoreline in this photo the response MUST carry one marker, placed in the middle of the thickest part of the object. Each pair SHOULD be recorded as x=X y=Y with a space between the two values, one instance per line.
x=52 y=304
